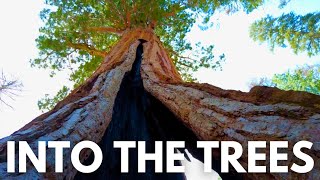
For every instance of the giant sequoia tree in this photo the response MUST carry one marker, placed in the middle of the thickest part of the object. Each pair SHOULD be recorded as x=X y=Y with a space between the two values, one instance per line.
x=134 y=91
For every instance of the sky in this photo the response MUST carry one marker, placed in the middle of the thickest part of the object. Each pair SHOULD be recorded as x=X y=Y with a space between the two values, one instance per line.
x=245 y=59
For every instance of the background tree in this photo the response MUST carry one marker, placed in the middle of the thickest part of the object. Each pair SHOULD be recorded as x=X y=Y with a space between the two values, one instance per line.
x=305 y=78
x=8 y=88
x=300 y=32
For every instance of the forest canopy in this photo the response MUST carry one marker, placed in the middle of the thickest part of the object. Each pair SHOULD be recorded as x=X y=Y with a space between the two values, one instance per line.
x=78 y=34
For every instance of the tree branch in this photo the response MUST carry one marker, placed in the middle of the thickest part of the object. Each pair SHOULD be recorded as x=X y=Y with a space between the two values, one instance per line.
x=183 y=57
x=170 y=14
x=114 y=8
x=90 y=49
x=184 y=64
x=106 y=30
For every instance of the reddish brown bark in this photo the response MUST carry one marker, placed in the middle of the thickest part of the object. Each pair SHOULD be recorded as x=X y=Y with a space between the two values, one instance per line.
x=210 y=112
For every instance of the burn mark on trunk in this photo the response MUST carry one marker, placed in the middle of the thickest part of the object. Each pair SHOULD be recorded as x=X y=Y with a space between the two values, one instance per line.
x=138 y=116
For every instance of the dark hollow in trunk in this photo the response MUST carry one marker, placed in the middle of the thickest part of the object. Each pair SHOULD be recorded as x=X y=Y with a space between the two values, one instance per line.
x=138 y=116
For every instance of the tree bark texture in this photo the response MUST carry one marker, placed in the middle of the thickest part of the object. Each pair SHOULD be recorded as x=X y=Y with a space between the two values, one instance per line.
x=211 y=113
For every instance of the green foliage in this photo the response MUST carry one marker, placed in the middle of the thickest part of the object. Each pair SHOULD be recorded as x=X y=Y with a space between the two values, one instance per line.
x=301 y=33
x=77 y=34
x=283 y=3
x=305 y=78
x=47 y=103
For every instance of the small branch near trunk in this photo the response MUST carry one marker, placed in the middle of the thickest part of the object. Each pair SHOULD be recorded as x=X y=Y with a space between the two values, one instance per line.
x=170 y=14
x=182 y=57
x=106 y=30
x=183 y=64
x=89 y=48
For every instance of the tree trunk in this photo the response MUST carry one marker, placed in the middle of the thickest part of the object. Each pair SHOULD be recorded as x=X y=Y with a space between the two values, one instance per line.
x=211 y=113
